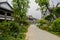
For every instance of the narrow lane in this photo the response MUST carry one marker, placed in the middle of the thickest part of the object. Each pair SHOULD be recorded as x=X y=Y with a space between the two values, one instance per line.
x=35 y=33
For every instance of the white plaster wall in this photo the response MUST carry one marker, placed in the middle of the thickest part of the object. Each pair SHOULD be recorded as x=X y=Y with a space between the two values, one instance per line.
x=6 y=6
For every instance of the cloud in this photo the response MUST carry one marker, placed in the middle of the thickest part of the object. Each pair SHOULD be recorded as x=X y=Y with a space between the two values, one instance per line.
x=54 y=2
x=32 y=10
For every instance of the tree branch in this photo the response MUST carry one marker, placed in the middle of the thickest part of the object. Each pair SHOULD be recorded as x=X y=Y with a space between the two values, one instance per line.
x=58 y=4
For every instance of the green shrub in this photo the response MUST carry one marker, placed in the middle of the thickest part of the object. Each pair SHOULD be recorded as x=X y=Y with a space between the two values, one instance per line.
x=9 y=28
x=49 y=17
x=6 y=37
x=21 y=36
x=45 y=27
x=12 y=31
x=56 y=25
x=24 y=29
x=56 y=11
x=42 y=22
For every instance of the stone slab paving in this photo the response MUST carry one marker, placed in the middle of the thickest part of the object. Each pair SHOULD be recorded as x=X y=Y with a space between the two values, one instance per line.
x=34 y=33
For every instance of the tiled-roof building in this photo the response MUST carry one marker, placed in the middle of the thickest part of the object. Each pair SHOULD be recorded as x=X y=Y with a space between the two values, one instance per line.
x=5 y=11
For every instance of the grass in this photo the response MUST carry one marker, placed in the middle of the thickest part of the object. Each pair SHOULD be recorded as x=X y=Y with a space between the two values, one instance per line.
x=50 y=31
x=55 y=33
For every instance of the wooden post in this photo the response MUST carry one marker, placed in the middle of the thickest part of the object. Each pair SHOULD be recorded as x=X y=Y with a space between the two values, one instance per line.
x=11 y=17
x=5 y=16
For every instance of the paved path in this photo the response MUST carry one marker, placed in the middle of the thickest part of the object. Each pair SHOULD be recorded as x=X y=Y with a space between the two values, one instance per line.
x=35 y=33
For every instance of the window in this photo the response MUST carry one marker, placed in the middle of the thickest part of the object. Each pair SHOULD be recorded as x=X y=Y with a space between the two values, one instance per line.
x=2 y=13
x=8 y=14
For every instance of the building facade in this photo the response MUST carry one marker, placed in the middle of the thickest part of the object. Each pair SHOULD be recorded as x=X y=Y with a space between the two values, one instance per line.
x=6 y=11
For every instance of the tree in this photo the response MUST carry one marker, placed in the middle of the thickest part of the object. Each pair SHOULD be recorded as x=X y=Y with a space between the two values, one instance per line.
x=44 y=4
x=56 y=11
x=49 y=17
x=20 y=8
x=12 y=30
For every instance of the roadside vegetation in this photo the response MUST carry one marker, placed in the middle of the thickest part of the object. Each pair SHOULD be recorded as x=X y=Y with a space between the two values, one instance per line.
x=50 y=22
x=16 y=29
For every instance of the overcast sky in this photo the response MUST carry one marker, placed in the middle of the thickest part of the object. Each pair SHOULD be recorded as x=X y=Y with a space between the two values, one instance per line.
x=32 y=10
x=33 y=6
